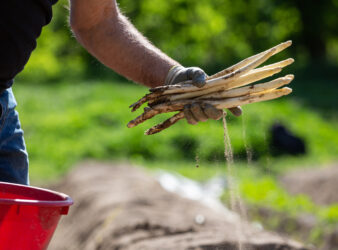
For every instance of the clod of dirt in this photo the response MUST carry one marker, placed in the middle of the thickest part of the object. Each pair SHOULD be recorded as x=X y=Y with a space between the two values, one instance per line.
x=122 y=207
x=321 y=184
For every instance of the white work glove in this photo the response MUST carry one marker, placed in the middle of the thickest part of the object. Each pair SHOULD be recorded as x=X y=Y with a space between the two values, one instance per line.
x=196 y=112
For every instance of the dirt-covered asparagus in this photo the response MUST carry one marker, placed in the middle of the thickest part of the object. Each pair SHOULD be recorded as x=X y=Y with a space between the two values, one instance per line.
x=226 y=89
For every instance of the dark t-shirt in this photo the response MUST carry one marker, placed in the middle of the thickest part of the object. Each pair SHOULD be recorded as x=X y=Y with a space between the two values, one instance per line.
x=21 y=22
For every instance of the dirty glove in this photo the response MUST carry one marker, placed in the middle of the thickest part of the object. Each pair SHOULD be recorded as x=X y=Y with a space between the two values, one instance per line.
x=178 y=74
x=196 y=112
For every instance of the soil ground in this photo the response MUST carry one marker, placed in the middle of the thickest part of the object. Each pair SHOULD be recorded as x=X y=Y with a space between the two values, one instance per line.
x=123 y=207
x=321 y=184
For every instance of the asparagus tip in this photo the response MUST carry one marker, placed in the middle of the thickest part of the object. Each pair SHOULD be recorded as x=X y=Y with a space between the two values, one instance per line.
x=289 y=61
x=289 y=43
x=151 y=131
x=130 y=125
x=290 y=77
x=287 y=90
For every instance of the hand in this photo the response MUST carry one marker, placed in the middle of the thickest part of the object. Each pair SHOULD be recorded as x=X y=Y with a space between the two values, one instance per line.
x=200 y=112
x=196 y=112
x=179 y=74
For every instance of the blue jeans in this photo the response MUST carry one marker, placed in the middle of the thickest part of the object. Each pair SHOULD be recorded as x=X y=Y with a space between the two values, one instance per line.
x=13 y=154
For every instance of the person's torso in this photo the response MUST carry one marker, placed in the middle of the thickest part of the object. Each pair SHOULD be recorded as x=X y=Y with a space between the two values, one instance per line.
x=21 y=22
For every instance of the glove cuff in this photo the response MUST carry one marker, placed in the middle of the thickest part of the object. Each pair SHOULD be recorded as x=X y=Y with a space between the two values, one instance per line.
x=172 y=74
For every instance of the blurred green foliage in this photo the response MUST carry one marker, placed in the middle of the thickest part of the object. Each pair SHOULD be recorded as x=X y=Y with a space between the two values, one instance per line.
x=209 y=34
x=266 y=192
x=285 y=209
x=65 y=123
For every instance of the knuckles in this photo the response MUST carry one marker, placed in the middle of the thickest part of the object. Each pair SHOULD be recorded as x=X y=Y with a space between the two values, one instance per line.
x=201 y=112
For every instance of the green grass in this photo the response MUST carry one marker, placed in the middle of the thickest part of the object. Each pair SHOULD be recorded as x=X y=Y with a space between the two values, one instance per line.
x=266 y=192
x=65 y=123
x=262 y=191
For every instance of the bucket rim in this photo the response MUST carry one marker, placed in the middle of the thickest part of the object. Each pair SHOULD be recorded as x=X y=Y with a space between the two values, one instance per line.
x=65 y=202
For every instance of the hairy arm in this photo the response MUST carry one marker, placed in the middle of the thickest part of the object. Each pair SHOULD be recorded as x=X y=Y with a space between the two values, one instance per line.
x=101 y=28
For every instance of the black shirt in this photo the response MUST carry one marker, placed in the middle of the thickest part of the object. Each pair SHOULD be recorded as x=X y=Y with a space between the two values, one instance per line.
x=21 y=22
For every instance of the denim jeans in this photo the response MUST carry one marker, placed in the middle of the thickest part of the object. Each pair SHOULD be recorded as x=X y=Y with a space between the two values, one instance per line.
x=13 y=154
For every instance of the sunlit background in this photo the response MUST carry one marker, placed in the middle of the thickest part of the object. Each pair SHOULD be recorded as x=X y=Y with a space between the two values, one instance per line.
x=72 y=108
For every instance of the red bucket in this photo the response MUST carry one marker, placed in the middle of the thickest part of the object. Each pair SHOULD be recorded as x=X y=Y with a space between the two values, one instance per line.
x=29 y=216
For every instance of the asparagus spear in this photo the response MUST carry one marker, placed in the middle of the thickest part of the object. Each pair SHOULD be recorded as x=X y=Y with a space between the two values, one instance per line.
x=223 y=90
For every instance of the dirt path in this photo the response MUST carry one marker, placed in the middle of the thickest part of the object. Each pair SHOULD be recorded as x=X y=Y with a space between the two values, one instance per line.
x=321 y=184
x=122 y=207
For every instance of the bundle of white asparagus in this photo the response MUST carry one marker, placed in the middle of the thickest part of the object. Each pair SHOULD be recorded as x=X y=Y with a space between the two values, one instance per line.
x=222 y=90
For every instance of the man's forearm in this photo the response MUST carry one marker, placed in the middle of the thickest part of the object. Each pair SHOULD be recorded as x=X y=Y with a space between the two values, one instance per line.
x=109 y=36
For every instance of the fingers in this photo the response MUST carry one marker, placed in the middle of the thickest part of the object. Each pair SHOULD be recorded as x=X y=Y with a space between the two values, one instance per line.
x=188 y=115
x=212 y=112
x=196 y=112
x=197 y=75
x=236 y=111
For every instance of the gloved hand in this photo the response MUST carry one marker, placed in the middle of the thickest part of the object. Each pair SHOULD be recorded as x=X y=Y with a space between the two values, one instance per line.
x=179 y=74
x=196 y=112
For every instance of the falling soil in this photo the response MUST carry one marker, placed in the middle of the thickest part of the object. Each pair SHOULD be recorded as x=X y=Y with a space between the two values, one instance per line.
x=229 y=160
x=248 y=149
x=235 y=200
x=197 y=159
